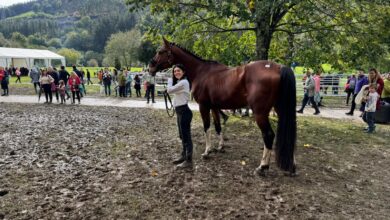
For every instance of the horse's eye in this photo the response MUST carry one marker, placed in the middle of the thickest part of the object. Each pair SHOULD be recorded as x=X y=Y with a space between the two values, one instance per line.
x=161 y=52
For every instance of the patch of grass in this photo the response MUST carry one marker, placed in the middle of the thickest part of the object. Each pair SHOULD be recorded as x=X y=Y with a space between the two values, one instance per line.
x=118 y=148
x=338 y=136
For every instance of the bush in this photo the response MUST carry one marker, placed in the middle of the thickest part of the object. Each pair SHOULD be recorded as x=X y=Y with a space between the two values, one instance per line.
x=93 y=63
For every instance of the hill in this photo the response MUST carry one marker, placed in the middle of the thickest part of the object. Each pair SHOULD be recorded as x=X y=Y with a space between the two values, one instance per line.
x=84 y=25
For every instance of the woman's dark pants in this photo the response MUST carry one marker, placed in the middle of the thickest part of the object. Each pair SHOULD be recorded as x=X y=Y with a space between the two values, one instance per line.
x=184 y=118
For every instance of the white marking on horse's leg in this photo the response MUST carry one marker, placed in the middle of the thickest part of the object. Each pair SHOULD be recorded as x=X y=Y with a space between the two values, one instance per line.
x=208 y=143
x=221 y=141
x=266 y=157
x=264 y=164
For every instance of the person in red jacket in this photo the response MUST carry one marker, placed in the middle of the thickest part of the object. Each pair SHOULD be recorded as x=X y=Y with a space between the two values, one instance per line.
x=74 y=85
x=3 y=80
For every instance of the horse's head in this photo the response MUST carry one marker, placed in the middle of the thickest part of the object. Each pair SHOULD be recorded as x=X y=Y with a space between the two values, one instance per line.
x=163 y=58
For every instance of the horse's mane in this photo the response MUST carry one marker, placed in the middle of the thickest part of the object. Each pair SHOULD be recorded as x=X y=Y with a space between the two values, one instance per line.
x=194 y=54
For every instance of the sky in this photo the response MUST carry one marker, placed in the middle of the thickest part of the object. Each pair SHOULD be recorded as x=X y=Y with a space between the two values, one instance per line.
x=11 y=2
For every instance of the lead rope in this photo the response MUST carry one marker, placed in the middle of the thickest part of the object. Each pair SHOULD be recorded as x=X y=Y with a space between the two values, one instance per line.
x=170 y=109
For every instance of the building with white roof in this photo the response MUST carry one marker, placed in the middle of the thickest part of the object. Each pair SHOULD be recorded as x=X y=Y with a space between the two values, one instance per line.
x=28 y=58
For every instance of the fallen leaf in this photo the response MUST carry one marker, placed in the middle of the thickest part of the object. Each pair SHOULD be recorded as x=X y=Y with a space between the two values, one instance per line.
x=154 y=173
x=307 y=145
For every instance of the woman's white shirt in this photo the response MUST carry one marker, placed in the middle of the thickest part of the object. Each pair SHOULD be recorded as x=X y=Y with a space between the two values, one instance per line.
x=181 y=91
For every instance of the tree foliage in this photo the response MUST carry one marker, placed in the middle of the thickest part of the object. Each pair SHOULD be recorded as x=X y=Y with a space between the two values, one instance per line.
x=72 y=56
x=307 y=31
x=123 y=46
x=146 y=51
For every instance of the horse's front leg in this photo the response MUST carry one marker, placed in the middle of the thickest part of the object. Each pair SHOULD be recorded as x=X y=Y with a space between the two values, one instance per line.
x=218 y=129
x=205 y=113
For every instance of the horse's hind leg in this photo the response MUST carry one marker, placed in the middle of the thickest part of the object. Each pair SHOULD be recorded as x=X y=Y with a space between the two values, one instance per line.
x=268 y=137
x=205 y=113
x=218 y=128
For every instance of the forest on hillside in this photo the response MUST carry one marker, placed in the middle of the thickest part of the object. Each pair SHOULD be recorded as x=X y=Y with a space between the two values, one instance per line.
x=82 y=26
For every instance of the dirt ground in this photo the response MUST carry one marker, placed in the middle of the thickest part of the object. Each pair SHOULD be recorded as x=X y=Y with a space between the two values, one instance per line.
x=83 y=162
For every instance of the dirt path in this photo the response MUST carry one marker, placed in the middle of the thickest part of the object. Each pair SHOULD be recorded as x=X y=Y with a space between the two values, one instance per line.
x=105 y=162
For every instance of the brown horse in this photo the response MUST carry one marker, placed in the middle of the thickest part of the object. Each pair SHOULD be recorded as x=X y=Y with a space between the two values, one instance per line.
x=260 y=85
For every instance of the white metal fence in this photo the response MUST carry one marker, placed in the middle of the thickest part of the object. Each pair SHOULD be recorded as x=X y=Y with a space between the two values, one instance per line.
x=331 y=84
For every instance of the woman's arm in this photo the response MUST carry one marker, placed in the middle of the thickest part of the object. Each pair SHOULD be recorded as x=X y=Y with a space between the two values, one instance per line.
x=176 y=88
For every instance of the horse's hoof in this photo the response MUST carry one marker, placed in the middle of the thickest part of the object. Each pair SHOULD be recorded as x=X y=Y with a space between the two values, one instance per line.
x=261 y=171
x=291 y=174
x=221 y=150
x=205 y=156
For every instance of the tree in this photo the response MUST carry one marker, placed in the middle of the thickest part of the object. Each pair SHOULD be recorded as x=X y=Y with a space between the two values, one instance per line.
x=37 y=39
x=79 y=40
x=110 y=24
x=123 y=46
x=4 y=42
x=54 y=42
x=89 y=55
x=271 y=21
x=19 y=38
x=146 y=51
x=117 y=63
x=72 y=56
x=93 y=63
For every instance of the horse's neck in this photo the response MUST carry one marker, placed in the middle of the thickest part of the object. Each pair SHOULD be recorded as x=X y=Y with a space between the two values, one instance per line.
x=195 y=67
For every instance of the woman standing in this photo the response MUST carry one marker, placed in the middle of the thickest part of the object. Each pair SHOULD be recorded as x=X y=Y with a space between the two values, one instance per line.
x=122 y=83
x=74 y=84
x=137 y=85
x=129 y=80
x=350 y=88
x=107 y=81
x=180 y=87
x=18 y=73
x=3 y=81
x=45 y=82
x=375 y=78
x=51 y=72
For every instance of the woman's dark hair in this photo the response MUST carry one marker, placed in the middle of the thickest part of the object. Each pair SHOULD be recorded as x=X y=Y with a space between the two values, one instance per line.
x=377 y=76
x=180 y=66
x=373 y=70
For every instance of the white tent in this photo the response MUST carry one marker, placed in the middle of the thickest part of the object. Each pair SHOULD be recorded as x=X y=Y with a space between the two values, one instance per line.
x=18 y=57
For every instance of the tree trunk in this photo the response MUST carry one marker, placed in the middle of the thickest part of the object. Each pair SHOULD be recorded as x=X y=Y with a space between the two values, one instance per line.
x=290 y=51
x=263 y=40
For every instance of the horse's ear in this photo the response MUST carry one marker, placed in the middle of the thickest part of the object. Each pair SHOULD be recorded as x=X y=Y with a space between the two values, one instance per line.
x=166 y=42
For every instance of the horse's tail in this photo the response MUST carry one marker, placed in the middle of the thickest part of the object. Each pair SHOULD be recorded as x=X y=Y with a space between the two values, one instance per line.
x=287 y=124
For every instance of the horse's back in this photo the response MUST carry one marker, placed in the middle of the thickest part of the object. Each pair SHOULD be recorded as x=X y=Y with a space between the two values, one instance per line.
x=262 y=81
x=235 y=87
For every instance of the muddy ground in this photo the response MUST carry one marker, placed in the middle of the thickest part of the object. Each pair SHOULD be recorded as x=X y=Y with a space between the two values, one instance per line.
x=80 y=162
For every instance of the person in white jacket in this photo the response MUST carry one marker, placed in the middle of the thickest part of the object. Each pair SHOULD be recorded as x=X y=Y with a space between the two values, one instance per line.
x=370 y=108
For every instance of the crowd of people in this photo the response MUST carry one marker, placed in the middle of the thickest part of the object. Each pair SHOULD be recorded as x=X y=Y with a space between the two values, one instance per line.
x=370 y=92
x=122 y=81
x=49 y=81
